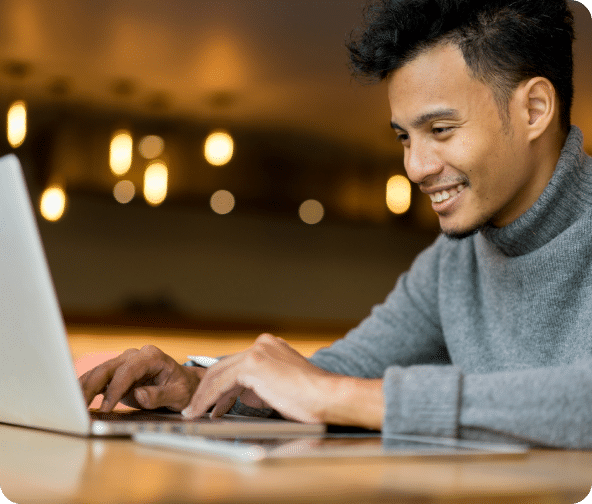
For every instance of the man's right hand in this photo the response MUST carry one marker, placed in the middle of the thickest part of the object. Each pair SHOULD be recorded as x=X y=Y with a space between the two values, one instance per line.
x=146 y=378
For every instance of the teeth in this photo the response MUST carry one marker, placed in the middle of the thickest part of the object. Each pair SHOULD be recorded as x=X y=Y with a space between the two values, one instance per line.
x=441 y=196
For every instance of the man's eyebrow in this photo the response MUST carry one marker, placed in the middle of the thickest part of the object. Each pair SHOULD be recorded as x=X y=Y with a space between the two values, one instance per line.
x=430 y=116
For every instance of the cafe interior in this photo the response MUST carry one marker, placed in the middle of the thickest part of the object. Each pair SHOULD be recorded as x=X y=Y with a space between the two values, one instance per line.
x=203 y=172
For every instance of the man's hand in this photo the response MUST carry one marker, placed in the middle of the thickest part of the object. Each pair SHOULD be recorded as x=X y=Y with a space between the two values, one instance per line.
x=272 y=374
x=146 y=378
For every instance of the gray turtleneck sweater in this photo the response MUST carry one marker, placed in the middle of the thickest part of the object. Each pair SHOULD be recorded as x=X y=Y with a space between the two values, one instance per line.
x=490 y=337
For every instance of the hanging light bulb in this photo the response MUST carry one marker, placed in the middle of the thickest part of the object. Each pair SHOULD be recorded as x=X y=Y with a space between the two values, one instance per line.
x=120 y=152
x=155 y=183
x=16 y=123
x=218 y=148
x=53 y=203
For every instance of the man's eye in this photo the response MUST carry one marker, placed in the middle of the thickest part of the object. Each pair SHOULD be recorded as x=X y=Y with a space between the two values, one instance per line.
x=440 y=131
x=402 y=137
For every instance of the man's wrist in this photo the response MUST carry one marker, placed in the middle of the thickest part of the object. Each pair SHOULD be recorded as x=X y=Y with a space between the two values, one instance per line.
x=353 y=401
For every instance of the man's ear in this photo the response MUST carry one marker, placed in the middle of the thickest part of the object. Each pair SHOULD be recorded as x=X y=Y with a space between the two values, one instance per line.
x=539 y=105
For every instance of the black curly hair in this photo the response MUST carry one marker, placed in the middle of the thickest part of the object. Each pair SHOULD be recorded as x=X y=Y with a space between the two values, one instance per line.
x=503 y=42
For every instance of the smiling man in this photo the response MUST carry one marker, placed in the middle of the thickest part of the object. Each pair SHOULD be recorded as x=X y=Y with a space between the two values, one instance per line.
x=489 y=334
x=477 y=165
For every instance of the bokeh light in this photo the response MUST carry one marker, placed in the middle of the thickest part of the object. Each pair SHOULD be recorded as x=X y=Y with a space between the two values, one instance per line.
x=218 y=148
x=16 y=123
x=311 y=211
x=120 y=152
x=124 y=191
x=398 y=194
x=222 y=202
x=53 y=203
x=151 y=146
x=156 y=183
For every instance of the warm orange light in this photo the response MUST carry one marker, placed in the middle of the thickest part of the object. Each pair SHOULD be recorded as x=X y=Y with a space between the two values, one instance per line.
x=218 y=148
x=16 y=123
x=398 y=194
x=120 y=152
x=53 y=203
x=156 y=183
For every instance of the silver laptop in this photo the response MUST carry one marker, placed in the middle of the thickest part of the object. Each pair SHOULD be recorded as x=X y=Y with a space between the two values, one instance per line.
x=38 y=383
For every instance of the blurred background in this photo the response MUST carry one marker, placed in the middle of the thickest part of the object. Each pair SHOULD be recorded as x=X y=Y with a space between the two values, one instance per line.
x=295 y=216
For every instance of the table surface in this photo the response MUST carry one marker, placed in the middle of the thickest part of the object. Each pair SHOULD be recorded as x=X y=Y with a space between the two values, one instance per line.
x=44 y=467
x=40 y=467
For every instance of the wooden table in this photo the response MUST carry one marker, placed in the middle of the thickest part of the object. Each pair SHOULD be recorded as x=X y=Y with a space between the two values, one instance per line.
x=42 y=467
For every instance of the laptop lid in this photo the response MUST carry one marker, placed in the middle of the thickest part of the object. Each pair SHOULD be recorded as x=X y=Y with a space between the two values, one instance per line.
x=38 y=384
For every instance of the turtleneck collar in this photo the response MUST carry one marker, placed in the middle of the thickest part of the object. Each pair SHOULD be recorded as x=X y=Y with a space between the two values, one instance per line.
x=566 y=197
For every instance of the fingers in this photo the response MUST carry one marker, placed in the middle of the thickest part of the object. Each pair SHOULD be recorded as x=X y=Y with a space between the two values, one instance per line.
x=175 y=393
x=140 y=366
x=226 y=402
x=95 y=381
x=227 y=380
x=270 y=373
x=155 y=375
x=216 y=384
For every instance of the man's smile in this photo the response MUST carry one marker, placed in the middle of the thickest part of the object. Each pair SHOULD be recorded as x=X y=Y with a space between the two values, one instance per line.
x=440 y=196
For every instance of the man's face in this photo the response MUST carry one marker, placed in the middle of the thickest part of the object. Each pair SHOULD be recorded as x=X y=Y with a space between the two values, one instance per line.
x=475 y=168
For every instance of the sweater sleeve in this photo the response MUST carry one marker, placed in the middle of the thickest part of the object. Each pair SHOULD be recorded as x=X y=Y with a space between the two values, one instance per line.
x=543 y=407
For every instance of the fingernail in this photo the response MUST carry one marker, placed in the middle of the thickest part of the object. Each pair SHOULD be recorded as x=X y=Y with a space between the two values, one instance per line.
x=187 y=413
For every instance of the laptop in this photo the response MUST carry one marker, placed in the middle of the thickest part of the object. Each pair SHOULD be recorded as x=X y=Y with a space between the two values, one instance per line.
x=38 y=383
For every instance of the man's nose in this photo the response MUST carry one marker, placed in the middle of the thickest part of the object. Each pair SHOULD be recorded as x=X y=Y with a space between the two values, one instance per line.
x=421 y=162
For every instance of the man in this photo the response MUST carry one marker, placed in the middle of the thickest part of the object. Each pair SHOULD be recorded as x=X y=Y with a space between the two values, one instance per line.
x=489 y=335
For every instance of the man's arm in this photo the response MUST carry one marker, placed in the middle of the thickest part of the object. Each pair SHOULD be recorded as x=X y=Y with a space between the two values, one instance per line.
x=546 y=406
x=272 y=374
